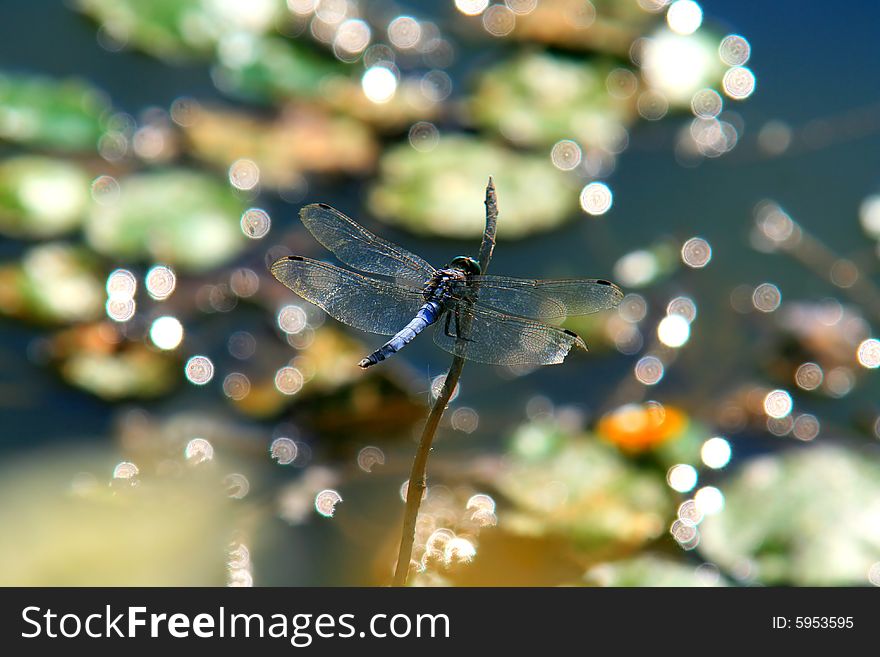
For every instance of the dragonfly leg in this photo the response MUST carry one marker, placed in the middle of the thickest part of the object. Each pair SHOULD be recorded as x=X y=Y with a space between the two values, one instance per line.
x=458 y=335
x=446 y=325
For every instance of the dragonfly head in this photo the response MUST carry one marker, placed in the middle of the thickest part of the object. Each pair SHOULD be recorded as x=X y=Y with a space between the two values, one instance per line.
x=466 y=264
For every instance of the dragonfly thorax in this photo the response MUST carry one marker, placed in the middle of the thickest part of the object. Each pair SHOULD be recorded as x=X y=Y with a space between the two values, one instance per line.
x=439 y=287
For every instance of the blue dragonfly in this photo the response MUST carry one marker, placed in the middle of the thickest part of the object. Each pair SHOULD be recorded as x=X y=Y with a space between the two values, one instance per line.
x=496 y=320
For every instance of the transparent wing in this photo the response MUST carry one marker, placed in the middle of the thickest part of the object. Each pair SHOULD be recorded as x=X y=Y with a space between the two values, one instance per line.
x=359 y=248
x=546 y=299
x=501 y=339
x=365 y=303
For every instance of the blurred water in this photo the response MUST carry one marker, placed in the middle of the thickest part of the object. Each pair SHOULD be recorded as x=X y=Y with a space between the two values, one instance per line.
x=812 y=60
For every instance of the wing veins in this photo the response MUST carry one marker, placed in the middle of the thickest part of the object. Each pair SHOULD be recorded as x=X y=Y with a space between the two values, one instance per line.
x=363 y=302
x=545 y=299
x=371 y=254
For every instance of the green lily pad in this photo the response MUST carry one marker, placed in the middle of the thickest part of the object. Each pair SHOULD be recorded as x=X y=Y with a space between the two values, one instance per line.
x=538 y=99
x=278 y=68
x=441 y=191
x=805 y=518
x=303 y=138
x=176 y=29
x=408 y=105
x=54 y=283
x=650 y=570
x=579 y=489
x=95 y=358
x=65 y=115
x=607 y=26
x=41 y=197
x=176 y=216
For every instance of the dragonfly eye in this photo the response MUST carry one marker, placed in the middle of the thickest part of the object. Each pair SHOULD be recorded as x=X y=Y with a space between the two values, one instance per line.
x=467 y=265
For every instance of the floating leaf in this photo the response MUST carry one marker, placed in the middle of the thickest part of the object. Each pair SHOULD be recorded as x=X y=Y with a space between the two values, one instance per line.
x=823 y=332
x=579 y=489
x=302 y=138
x=408 y=104
x=176 y=29
x=174 y=216
x=55 y=283
x=278 y=69
x=96 y=358
x=439 y=192
x=326 y=361
x=41 y=197
x=607 y=26
x=803 y=518
x=541 y=98
x=59 y=114
x=651 y=570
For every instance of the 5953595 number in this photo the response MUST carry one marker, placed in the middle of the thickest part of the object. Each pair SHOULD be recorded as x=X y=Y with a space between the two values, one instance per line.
x=823 y=622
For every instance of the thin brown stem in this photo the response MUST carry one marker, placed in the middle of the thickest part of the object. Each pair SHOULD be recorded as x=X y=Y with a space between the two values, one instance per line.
x=418 y=474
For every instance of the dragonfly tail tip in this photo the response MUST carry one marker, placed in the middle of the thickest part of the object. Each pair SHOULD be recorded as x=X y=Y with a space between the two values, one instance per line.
x=365 y=363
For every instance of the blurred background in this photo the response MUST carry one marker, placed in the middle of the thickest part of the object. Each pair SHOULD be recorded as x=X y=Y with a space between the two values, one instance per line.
x=171 y=415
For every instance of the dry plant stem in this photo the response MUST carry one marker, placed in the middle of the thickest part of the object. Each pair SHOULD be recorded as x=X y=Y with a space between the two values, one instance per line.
x=417 y=477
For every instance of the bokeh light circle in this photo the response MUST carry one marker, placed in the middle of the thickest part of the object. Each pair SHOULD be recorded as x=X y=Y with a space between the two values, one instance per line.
x=596 y=198
x=778 y=404
x=199 y=370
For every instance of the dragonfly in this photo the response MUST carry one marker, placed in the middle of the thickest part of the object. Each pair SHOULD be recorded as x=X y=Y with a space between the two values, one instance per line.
x=496 y=320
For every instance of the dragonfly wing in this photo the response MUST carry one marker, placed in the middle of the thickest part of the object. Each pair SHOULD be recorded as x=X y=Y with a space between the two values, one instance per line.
x=546 y=299
x=360 y=301
x=497 y=338
x=359 y=248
